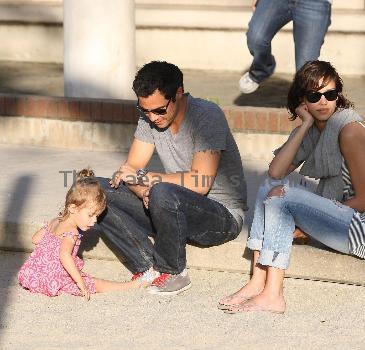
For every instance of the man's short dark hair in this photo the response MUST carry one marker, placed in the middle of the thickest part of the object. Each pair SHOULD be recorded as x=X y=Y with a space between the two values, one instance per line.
x=158 y=75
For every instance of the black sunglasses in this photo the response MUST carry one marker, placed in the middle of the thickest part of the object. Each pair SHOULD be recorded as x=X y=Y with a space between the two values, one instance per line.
x=158 y=111
x=315 y=96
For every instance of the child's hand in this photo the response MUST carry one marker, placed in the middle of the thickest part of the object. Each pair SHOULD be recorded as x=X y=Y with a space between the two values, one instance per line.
x=85 y=292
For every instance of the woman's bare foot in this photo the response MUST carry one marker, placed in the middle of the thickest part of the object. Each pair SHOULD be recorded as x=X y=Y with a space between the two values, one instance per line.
x=261 y=302
x=250 y=290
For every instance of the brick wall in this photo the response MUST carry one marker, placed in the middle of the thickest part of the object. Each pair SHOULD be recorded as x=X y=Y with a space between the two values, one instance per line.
x=240 y=119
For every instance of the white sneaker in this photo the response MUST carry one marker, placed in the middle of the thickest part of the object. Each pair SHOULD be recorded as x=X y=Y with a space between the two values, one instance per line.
x=247 y=85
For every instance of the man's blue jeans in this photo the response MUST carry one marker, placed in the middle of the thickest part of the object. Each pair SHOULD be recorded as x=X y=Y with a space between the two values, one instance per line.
x=176 y=216
x=311 y=19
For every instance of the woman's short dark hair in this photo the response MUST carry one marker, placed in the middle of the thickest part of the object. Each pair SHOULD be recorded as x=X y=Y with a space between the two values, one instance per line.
x=158 y=75
x=307 y=78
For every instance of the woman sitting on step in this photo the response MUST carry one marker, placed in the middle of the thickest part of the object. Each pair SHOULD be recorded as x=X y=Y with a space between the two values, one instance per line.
x=330 y=143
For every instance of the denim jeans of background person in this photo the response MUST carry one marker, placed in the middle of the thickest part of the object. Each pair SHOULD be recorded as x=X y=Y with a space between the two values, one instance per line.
x=201 y=195
x=311 y=19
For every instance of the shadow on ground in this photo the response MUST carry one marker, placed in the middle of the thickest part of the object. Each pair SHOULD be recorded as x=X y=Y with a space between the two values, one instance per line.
x=271 y=93
x=18 y=196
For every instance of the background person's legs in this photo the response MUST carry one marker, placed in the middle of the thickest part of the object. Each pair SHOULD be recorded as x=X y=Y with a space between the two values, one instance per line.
x=268 y=18
x=311 y=19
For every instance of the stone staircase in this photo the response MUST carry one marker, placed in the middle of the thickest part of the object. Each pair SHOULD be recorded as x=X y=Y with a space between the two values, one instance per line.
x=214 y=32
x=30 y=194
x=174 y=29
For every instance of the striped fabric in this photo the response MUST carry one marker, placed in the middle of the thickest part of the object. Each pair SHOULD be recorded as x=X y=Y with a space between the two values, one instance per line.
x=357 y=225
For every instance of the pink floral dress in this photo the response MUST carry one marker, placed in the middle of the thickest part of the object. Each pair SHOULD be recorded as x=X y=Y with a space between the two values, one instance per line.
x=43 y=271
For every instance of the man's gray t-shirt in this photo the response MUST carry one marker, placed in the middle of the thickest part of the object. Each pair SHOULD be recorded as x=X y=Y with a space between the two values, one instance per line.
x=204 y=128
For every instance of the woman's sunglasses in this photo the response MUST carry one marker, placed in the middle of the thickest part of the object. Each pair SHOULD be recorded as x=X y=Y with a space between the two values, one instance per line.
x=157 y=111
x=315 y=96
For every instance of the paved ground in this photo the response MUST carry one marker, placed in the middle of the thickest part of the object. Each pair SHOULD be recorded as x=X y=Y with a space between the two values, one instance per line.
x=319 y=316
x=218 y=86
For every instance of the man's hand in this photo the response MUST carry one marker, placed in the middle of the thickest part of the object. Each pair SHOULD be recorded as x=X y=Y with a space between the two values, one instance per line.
x=125 y=173
x=145 y=197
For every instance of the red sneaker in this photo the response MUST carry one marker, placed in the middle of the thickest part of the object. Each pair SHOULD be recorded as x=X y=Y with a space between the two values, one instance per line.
x=167 y=284
x=146 y=277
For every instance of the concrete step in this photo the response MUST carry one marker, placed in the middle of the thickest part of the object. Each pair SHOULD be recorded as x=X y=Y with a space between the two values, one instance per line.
x=33 y=189
x=212 y=30
x=224 y=4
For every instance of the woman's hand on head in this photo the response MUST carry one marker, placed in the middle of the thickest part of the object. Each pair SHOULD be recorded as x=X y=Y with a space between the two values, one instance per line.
x=304 y=115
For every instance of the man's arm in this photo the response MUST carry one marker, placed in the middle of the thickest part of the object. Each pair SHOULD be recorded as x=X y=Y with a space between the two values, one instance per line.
x=139 y=156
x=198 y=179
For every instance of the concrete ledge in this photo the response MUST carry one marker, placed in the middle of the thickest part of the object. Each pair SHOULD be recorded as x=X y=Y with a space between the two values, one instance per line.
x=50 y=12
x=78 y=135
x=66 y=134
x=308 y=262
x=33 y=189
x=229 y=15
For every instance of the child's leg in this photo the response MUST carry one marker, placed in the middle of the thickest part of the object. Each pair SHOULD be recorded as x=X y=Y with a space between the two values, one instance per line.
x=107 y=286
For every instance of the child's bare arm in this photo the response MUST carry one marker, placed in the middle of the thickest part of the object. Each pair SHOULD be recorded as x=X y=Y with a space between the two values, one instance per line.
x=37 y=237
x=68 y=263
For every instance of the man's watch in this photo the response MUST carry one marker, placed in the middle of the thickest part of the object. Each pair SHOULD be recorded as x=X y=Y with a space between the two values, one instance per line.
x=141 y=173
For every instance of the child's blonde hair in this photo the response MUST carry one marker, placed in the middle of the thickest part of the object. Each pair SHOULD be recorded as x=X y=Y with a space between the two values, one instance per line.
x=86 y=189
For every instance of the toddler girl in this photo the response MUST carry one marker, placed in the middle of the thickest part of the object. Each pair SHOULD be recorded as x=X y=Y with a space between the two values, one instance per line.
x=54 y=267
